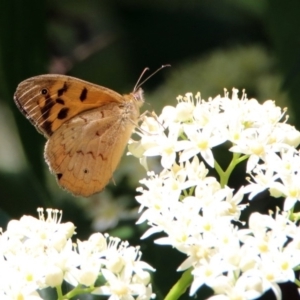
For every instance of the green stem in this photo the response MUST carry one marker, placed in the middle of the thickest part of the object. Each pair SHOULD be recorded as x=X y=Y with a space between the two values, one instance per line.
x=78 y=291
x=59 y=292
x=180 y=286
x=297 y=268
x=224 y=175
x=220 y=172
x=297 y=282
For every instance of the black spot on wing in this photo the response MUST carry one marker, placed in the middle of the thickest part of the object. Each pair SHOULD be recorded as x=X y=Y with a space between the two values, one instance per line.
x=63 y=113
x=60 y=101
x=62 y=90
x=47 y=127
x=44 y=92
x=83 y=94
x=59 y=176
x=45 y=110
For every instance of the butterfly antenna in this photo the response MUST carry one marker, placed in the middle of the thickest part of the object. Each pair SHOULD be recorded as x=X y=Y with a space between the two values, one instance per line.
x=139 y=84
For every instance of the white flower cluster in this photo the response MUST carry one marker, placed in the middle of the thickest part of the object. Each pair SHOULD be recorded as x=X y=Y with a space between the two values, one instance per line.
x=38 y=253
x=195 y=211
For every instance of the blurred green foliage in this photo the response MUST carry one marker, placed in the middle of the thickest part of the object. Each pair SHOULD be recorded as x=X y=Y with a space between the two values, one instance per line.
x=211 y=45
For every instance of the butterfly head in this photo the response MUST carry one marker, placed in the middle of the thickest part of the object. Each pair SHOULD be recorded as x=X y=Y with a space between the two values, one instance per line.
x=138 y=96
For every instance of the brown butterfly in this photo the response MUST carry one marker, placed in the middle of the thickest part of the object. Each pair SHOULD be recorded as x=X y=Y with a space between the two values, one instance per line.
x=87 y=127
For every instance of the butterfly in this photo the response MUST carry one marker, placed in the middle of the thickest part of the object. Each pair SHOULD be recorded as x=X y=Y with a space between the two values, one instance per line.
x=87 y=127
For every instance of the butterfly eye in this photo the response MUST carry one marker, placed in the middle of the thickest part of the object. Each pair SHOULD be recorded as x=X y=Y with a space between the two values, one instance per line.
x=44 y=91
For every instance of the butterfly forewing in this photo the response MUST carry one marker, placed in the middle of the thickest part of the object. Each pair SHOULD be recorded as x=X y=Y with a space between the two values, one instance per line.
x=50 y=100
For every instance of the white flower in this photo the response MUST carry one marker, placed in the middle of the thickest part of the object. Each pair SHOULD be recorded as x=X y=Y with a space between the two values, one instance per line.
x=53 y=276
x=195 y=171
x=39 y=253
x=106 y=212
x=255 y=143
x=184 y=109
x=194 y=211
x=166 y=146
x=291 y=136
x=262 y=179
x=120 y=287
x=41 y=233
x=206 y=272
x=67 y=260
x=243 y=288
x=200 y=141
x=290 y=189
x=150 y=130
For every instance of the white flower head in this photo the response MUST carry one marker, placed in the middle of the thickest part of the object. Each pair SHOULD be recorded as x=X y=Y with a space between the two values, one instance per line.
x=39 y=253
x=196 y=212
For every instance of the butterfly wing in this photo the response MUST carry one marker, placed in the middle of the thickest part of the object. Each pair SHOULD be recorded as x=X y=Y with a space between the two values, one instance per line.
x=50 y=100
x=84 y=152
x=87 y=126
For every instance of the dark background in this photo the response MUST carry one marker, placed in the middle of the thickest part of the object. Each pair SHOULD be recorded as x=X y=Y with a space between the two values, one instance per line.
x=211 y=45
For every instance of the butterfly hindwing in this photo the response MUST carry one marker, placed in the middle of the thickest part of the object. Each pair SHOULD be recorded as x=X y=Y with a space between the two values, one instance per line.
x=84 y=152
